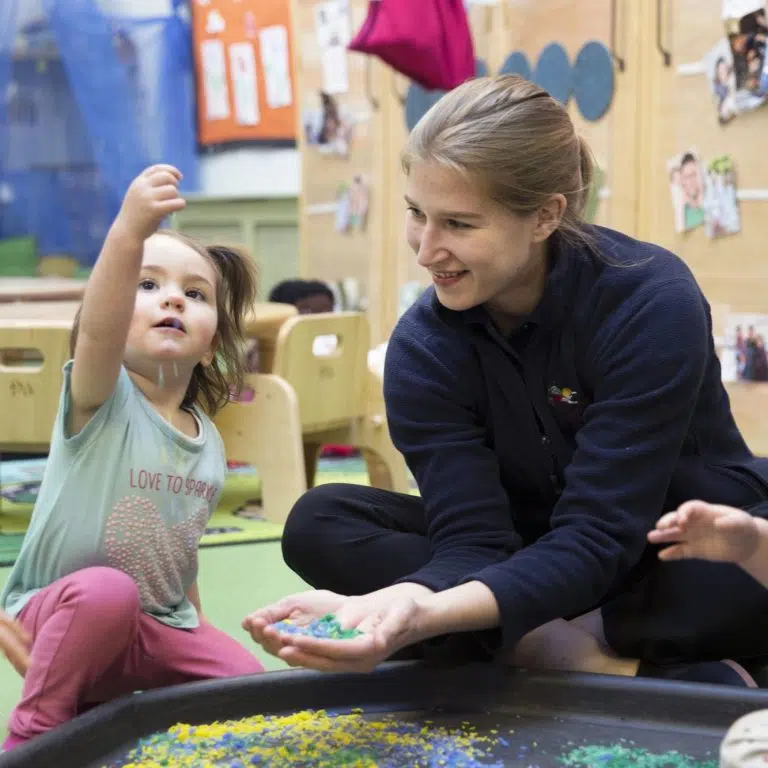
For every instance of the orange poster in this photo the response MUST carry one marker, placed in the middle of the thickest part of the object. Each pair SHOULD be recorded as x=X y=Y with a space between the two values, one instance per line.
x=244 y=71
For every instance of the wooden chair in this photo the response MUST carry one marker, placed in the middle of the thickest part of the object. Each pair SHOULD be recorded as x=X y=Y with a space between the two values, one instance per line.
x=32 y=355
x=309 y=400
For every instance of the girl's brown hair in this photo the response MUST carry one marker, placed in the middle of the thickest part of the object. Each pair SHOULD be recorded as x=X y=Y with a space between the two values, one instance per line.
x=236 y=291
x=513 y=138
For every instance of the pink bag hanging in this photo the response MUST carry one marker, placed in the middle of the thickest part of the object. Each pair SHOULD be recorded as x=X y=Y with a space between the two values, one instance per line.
x=429 y=41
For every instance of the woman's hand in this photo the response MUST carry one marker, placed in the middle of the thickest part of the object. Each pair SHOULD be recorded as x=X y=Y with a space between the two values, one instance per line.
x=698 y=530
x=14 y=643
x=389 y=620
x=387 y=624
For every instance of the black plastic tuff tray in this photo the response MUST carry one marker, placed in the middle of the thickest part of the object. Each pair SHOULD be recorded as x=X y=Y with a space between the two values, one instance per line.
x=550 y=714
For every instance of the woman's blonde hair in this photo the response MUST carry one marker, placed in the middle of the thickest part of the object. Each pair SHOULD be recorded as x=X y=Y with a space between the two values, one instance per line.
x=510 y=136
x=236 y=291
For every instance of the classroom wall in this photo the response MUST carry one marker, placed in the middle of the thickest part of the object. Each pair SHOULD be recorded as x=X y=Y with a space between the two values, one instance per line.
x=260 y=173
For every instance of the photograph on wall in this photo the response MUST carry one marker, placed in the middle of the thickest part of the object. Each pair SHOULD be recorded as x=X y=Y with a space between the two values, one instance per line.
x=686 y=184
x=743 y=356
x=746 y=28
x=723 y=81
x=352 y=202
x=720 y=200
x=329 y=128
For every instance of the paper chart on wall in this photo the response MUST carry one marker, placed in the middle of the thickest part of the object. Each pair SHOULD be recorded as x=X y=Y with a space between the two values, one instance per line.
x=214 y=80
x=276 y=66
x=332 y=27
x=242 y=62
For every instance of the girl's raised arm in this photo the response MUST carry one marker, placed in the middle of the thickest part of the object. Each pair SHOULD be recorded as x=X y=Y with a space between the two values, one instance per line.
x=111 y=291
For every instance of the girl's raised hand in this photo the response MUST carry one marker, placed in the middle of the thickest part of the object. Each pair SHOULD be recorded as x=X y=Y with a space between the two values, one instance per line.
x=153 y=195
x=14 y=643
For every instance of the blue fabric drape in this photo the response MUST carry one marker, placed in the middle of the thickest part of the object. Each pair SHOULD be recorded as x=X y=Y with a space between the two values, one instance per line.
x=8 y=14
x=94 y=100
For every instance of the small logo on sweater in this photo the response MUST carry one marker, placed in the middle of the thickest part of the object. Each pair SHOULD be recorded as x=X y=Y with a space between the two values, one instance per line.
x=564 y=395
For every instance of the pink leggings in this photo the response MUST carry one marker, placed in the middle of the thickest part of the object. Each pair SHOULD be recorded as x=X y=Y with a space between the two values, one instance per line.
x=91 y=643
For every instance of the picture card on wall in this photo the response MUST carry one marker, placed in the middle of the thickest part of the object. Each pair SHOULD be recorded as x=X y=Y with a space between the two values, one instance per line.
x=330 y=127
x=746 y=28
x=743 y=356
x=721 y=203
x=242 y=63
x=215 y=89
x=276 y=63
x=333 y=30
x=686 y=184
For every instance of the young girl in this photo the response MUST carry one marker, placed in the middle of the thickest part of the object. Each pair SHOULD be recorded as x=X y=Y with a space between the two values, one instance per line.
x=554 y=392
x=701 y=531
x=105 y=586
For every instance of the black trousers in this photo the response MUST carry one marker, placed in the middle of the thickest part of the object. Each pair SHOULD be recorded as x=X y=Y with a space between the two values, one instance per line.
x=354 y=539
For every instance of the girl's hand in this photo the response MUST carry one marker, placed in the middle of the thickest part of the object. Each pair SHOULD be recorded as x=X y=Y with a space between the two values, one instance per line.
x=698 y=530
x=14 y=643
x=388 y=624
x=152 y=196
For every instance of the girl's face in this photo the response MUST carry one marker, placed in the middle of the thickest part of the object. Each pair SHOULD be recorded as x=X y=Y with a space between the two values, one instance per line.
x=476 y=251
x=175 y=316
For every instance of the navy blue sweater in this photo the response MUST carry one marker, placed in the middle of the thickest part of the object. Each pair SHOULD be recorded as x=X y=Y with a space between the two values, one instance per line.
x=545 y=458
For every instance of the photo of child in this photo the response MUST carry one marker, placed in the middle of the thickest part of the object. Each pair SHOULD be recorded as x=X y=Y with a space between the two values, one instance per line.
x=747 y=30
x=686 y=183
x=744 y=356
x=721 y=205
x=328 y=128
x=723 y=81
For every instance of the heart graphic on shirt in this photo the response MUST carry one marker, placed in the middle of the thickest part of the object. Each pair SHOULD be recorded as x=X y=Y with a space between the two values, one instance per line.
x=155 y=555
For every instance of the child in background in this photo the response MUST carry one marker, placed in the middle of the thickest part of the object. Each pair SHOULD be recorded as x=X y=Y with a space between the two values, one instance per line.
x=702 y=531
x=104 y=592
x=308 y=296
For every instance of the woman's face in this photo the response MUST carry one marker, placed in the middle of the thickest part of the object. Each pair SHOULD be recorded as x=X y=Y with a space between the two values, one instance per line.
x=476 y=251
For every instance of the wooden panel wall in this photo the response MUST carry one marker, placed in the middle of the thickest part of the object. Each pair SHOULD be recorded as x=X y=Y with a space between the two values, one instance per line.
x=679 y=110
x=527 y=25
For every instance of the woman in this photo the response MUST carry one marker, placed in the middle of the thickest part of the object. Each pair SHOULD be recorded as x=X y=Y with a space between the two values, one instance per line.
x=554 y=393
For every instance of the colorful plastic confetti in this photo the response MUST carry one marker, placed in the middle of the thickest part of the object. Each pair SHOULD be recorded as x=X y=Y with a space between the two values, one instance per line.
x=618 y=756
x=327 y=628
x=314 y=738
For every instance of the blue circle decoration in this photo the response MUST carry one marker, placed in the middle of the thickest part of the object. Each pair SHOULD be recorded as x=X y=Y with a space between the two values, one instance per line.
x=481 y=68
x=553 y=72
x=517 y=64
x=419 y=100
x=593 y=80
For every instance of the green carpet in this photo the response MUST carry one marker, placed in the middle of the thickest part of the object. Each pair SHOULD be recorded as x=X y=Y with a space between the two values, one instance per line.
x=237 y=519
x=234 y=581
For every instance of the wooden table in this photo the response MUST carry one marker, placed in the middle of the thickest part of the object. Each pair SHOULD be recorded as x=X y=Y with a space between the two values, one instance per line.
x=40 y=289
x=262 y=323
